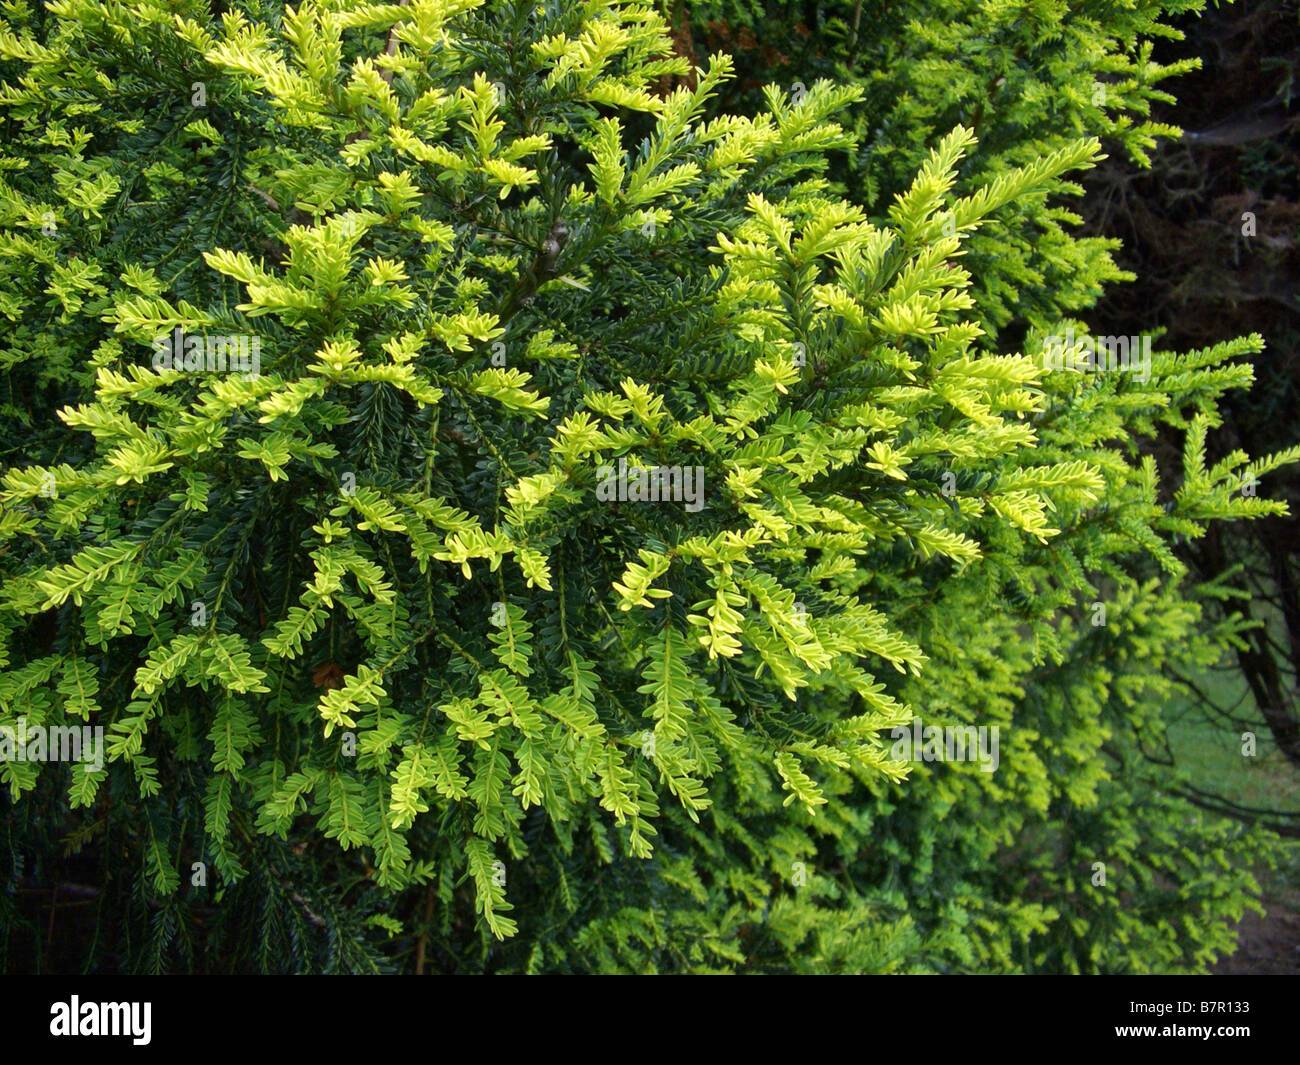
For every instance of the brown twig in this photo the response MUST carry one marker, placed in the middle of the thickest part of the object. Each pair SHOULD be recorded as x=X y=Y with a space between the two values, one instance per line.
x=387 y=72
x=424 y=931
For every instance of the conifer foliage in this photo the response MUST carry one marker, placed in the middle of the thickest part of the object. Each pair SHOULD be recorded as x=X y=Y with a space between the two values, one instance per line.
x=498 y=509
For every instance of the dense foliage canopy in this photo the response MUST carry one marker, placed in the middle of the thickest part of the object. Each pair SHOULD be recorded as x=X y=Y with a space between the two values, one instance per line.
x=346 y=343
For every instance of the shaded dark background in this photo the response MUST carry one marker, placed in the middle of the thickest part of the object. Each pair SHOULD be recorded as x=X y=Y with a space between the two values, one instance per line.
x=1201 y=277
